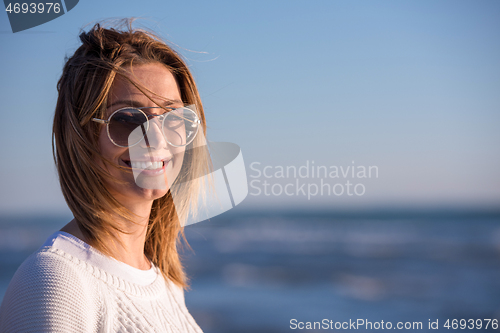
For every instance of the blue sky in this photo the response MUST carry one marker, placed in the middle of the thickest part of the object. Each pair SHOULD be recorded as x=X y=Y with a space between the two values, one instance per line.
x=411 y=87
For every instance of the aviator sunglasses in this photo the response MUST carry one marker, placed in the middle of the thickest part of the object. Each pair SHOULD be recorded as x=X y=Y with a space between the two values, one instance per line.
x=126 y=127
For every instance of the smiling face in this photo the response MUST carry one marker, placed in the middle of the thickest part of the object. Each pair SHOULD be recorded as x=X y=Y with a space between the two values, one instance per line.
x=151 y=165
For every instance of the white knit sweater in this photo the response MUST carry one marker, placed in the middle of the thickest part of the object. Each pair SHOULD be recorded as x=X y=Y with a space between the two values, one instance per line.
x=67 y=286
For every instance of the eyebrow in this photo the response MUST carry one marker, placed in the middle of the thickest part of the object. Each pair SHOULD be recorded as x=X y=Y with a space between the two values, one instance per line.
x=137 y=104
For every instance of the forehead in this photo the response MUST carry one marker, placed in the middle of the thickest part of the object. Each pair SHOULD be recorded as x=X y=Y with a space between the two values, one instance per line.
x=156 y=81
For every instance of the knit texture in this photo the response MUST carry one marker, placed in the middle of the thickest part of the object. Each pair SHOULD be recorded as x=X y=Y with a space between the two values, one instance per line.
x=55 y=291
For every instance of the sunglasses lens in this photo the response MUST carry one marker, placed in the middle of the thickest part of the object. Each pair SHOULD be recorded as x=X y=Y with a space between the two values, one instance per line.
x=180 y=126
x=124 y=127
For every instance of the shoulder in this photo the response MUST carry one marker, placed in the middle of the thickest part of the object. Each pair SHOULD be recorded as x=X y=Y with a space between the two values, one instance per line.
x=52 y=269
x=50 y=292
x=175 y=290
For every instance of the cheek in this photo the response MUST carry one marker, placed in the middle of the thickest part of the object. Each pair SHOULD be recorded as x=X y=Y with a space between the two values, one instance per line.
x=108 y=150
x=176 y=171
x=179 y=157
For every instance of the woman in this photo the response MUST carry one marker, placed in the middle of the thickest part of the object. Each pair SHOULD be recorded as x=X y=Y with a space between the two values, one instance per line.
x=123 y=148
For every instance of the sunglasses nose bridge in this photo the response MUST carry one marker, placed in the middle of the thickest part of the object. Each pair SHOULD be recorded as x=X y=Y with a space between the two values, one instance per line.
x=154 y=135
x=152 y=117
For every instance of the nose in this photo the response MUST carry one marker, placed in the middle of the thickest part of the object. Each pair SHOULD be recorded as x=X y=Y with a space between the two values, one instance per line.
x=154 y=137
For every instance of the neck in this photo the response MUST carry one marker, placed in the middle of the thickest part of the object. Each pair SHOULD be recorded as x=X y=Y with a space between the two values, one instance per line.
x=128 y=246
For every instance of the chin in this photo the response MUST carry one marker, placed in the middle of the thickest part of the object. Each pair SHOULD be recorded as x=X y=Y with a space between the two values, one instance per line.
x=131 y=194
x=156 y=195
x=151 y=194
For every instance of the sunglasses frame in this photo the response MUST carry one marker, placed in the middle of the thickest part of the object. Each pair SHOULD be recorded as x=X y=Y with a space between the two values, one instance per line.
x=162 y=116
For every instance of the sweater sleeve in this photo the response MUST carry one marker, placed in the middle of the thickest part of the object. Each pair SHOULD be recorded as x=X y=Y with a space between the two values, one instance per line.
x=49 y=293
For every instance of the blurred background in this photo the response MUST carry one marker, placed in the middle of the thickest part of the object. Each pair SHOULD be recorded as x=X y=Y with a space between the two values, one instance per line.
x=410 y=89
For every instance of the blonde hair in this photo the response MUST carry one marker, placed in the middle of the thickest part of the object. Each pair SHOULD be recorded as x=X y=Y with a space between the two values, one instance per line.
x=83 y=91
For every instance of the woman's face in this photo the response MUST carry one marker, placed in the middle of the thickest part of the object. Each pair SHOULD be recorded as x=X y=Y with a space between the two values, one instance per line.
x=163 y=161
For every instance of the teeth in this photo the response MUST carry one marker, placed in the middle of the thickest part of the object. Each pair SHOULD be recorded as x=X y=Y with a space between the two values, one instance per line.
x=147 y=165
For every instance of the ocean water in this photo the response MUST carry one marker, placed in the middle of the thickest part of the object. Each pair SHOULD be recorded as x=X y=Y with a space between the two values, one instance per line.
x=255 y=272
